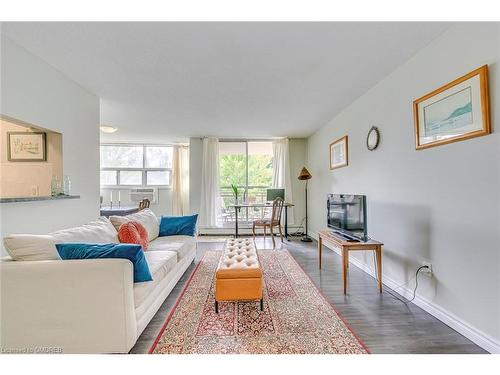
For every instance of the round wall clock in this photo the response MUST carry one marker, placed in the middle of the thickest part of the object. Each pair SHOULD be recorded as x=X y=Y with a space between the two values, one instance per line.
x=373 y=138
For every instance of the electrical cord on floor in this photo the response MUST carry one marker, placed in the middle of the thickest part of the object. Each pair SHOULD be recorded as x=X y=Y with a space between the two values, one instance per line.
x=401 y=285
x=299 y=232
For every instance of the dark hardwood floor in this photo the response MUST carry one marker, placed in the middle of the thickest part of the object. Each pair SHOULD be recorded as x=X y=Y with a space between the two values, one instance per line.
x=383 y=323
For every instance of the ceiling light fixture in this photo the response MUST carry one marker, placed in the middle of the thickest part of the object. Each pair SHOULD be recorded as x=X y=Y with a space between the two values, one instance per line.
x=108 y=129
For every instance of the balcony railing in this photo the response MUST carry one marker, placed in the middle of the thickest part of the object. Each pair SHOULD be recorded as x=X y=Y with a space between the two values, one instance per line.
x=246 y=215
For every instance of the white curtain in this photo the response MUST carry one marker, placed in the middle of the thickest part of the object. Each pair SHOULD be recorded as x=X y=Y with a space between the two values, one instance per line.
x=281 y=172
x=210 y=202
x=180 y=180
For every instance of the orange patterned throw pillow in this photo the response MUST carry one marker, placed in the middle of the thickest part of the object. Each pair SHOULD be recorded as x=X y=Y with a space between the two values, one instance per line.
x=133 y=232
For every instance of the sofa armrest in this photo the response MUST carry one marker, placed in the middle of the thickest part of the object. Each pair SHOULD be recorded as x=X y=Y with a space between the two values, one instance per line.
x=74 y=306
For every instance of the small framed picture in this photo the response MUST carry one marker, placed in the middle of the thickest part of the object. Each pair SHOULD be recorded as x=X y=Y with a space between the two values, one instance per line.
x=454 y=112
x=339 y=153
x=26 y=146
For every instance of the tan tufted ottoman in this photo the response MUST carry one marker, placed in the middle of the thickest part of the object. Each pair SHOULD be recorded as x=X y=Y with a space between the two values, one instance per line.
x=238 y=276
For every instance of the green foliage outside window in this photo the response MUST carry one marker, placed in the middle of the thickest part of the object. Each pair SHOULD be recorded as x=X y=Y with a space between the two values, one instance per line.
x=233 y=172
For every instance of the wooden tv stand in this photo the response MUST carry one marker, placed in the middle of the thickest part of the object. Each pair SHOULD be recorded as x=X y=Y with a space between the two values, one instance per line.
x=329 y=238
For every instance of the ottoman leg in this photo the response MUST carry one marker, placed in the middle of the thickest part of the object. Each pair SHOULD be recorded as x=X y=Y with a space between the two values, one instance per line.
x=262 y=304
x=216 y=307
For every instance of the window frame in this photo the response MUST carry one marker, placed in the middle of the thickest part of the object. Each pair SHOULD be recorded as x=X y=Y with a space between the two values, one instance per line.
x=143 y=170
x=246 y=141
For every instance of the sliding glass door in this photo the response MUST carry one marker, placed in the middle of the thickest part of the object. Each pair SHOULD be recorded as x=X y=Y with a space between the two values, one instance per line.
x=248 y=166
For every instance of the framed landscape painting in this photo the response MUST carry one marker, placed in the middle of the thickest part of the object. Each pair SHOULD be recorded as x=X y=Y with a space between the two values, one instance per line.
x=26 y=146
x=339 y=153
x=454 y=112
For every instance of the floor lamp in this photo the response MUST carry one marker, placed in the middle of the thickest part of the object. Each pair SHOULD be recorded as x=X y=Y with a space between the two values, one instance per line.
x=305 y=175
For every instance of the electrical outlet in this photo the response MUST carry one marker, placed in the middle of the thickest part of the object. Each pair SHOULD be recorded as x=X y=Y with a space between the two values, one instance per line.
x=427 y=271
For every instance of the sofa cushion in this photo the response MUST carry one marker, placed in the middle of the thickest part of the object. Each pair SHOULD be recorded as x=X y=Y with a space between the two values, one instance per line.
x=160 y=264
x=178 y=244
x=131 y=252
x=98 y=231
x=31 y=247
x=146 y=217
x=178 y=225
x=133 y=232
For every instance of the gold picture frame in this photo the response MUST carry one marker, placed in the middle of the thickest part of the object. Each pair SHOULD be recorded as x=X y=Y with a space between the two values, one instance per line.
x=454 y=112
x=339 y=153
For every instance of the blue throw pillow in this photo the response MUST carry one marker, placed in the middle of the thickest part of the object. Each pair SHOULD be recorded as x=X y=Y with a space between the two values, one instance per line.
x=132 y=252
x=172 y=225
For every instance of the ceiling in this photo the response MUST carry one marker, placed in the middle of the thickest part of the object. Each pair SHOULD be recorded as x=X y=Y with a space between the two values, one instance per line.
x=164 y=82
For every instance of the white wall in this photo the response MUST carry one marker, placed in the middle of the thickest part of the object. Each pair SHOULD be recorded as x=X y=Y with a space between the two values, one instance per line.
x=441 y=204
x=35 y=92
x=297 y=150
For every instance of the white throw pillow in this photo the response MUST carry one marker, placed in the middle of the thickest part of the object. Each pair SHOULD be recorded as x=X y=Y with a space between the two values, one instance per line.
x=98 y=231
x=146 y=217
x=31 y=247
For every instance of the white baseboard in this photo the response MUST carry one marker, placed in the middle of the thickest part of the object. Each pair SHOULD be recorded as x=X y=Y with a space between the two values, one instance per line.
x=480 y=338
x=241 y=231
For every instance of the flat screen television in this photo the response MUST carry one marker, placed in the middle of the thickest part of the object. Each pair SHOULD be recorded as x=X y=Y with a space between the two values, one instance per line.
x=347 y=216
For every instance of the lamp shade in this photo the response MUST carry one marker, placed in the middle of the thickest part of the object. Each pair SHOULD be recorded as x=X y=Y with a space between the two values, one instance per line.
x=304 y=174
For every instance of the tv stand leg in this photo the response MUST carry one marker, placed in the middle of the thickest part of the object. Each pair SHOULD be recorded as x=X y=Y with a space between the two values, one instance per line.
x=320 y=249
x=378 y=252
x=344 y=268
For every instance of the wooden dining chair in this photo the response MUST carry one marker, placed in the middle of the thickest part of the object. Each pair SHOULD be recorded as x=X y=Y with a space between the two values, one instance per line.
x=144 y=204
x=273 y=221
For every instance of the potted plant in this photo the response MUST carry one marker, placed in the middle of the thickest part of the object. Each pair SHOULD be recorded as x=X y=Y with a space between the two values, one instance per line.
x=234 y=188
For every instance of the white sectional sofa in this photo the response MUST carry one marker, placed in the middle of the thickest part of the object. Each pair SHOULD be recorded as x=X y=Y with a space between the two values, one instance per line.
x=90 y=305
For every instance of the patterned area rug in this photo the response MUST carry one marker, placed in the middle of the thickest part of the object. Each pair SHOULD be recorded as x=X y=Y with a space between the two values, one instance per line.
x=296 y=317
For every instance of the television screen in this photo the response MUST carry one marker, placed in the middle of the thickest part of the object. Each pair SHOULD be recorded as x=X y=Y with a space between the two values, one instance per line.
x=347 y=215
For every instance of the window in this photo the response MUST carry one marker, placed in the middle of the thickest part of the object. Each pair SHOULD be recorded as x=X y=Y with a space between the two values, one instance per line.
x=249 y=166
x=157 y=178
x=130 y=177
x=114 y=156
x=109 y=178
x=136 y=165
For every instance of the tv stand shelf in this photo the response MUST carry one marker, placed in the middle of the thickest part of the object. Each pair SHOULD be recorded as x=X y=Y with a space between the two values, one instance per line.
x=332 y=239
x=345 y=236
